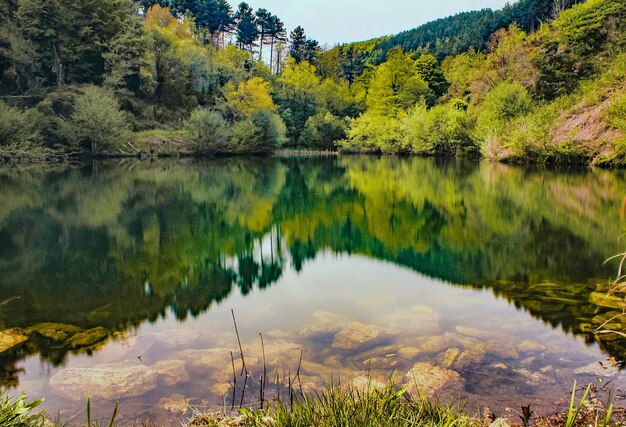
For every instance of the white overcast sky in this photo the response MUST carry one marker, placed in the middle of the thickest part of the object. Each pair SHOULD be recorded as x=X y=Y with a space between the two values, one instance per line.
x=340 y=21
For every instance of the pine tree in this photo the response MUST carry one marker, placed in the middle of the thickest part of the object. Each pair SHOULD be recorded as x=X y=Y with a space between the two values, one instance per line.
x=277 y=33
x=298 y=45
x=263 y=27
x=247 y=33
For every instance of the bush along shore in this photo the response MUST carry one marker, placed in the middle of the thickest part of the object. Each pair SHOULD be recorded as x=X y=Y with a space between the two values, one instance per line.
x=151 y=80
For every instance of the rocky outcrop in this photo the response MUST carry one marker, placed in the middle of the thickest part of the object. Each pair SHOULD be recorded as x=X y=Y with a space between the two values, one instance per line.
x=54 y=331
x=10 y=339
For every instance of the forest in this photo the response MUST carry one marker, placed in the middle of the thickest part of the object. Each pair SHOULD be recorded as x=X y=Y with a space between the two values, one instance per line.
x=538 y=81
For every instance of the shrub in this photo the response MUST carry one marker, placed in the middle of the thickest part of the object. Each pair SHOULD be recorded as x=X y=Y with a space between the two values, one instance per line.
x=323 y=131
x=506 y=101
x=441 y=129
x=373 y=133
x=99 y=124
x=208 y=132
x=617 y=113
x=17 y=127
x=263 y=132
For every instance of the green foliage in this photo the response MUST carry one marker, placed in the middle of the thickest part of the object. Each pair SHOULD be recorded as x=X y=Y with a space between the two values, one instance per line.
x=505 y=102
x=396 y=85
x=298 y=96
x=429 y=70
x=17 y=127
x=98 y=123
x=617 y=113
x=249 y=96
x=323 y=131
x=302 y=48
x=247 y=33
x=440 y=130
x=574 y=45
x=208 y=132
x=373 y=133
x=17 y=412
x=261 y=133
x=66 y=53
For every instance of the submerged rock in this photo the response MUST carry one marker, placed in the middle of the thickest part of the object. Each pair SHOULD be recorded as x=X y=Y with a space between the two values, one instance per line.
x=433 y=380
x=473 y=355
x=88 y=338
x=355 y=335
x=221 y=389
x=409 y=352
x=533 y=378
x=449 y=357
x=216 y=361
x=177 y=338
x=171 y=372
x=114 y=381
x=504 y=350
x=528 y=346
x=501 y=422
x=479 y=333
x=607 y=301
x=366 y=383
x=175 y=403
x=439 y=343
x=325 y=324
x=54 y=331
x=11 y=338
x=598 y=369
x=419 y=319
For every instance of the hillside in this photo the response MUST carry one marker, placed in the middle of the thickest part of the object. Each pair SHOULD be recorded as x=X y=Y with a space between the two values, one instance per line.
x=459 y=33
x=513 y=85
x=555 y=95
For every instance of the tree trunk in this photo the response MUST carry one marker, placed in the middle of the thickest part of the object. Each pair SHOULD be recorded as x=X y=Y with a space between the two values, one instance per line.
x=272 y=55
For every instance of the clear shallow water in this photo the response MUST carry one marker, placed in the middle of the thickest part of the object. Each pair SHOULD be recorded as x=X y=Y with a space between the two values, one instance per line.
x=366 y=265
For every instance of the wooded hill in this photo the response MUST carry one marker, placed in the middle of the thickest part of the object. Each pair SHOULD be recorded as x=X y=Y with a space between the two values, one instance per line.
x=160 y=77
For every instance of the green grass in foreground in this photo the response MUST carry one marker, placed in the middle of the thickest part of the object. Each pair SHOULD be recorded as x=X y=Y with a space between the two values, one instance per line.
x=18 y=413
x=343 y=406
x=339 y=406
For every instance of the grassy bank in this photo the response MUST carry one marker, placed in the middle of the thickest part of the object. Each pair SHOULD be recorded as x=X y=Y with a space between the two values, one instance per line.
x=370 y=405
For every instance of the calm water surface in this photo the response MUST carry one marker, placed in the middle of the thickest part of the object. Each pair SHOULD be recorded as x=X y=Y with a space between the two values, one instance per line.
x=491 y=275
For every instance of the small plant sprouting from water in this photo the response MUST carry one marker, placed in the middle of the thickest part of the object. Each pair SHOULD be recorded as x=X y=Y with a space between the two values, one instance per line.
x=574 y=410
x=97 y=424
x=616 y=287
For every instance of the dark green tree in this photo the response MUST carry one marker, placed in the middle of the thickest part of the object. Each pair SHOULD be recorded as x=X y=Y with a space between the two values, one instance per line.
x=215 y=16
x=276 y=33
x=247 y=32
x=301 y=47
x=263 y=22
x=297 y=46
x=429 y=70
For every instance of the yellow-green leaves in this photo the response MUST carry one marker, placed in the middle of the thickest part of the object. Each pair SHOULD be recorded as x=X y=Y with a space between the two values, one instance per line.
x=250 y=96
x=396 y=86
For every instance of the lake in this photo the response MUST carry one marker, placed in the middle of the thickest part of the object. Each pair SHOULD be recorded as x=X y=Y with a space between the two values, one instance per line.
x=478 y=281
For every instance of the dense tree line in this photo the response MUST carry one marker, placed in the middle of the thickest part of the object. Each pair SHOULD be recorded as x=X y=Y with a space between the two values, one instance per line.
x=455 y=34
x=196 y=76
